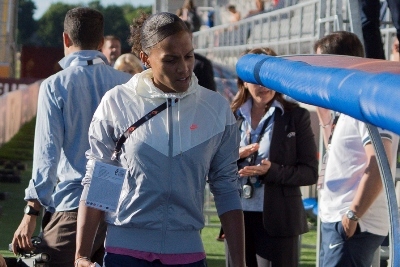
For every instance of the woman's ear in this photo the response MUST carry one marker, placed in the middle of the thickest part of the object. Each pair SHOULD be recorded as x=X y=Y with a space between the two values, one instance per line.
x=144 y=58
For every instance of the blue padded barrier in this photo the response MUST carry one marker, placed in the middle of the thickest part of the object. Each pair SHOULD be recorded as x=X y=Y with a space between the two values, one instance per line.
x=371 y=98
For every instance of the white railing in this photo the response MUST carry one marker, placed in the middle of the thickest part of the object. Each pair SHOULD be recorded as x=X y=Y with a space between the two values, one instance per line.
x=290 y=30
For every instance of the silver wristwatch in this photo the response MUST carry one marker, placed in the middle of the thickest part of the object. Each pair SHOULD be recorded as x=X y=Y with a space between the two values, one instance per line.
x=351 y=215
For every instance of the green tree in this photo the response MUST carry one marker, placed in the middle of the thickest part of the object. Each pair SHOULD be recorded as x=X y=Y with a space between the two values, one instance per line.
x=27 y=25
x=51 y=25
x=116 y=22
x=131 y=12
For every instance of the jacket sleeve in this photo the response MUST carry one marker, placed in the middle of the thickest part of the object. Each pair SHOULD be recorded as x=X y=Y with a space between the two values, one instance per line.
x=223 y=175
x=303 y=170
x=102 y=139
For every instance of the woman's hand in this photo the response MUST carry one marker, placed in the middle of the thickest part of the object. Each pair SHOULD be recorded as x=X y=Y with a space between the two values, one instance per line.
x=246 y=151
x=260 y=169
x=84 y=262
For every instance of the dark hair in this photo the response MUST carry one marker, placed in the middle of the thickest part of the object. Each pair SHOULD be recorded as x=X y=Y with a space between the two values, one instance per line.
x=147 y=31
x=340 y=43
x=85 y=27
x=243 y=94
x=111 y=38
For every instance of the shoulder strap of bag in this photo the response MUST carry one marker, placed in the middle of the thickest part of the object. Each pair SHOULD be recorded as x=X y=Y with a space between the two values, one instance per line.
x=138 y=123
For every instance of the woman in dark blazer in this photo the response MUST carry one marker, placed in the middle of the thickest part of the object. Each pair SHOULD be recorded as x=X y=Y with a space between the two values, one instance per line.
x=278 y=154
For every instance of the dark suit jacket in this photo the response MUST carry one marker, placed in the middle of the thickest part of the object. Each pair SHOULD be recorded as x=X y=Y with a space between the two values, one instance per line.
x=293 y=154
x=204 y=72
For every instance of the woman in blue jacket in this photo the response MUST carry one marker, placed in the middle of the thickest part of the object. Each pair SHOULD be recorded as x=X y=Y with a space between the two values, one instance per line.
x=167 y=158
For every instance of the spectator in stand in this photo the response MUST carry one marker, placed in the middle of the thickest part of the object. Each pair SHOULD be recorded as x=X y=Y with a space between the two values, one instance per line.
x=260 y=6
x=277 y=155
x=352 y=204
x=67 y=101
x=234 y=15
x=128 y=63
x=394 y=56
x=170 y=158
x=203 y=69
x=189 y=13
x=370 y=19
x=210 y=16
x=179 y=13
x=111 y=48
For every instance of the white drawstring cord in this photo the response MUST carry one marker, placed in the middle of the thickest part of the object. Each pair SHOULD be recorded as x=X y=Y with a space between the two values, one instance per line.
x=179 y=125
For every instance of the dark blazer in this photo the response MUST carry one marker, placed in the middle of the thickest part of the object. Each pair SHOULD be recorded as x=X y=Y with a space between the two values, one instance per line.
x=293 y=154
x=203 y=69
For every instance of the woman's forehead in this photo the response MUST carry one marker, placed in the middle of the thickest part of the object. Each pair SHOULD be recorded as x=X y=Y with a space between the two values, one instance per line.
x=179 y=42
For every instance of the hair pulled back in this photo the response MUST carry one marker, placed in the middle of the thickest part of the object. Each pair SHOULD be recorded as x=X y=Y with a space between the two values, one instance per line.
x=147 y=31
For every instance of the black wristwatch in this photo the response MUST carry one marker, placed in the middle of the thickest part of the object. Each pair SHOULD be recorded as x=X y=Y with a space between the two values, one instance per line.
x=30 y=210
x=351 y=215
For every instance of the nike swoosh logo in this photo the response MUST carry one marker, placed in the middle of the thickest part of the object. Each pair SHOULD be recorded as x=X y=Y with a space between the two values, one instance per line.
x=334 y=245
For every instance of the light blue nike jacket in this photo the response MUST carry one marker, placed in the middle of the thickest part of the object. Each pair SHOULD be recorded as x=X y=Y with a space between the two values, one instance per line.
x=169 y=160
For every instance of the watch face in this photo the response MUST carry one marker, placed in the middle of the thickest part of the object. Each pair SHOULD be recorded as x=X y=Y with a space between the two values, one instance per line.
x=30 y=210
x=350 y=214
x=26 y=209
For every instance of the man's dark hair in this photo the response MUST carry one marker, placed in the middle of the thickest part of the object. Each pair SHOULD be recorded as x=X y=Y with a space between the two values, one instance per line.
x=85 y=27
x=111 y=38
x=340 y=43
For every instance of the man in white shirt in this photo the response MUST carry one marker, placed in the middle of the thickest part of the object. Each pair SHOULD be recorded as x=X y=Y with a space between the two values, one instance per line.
x=352 y=203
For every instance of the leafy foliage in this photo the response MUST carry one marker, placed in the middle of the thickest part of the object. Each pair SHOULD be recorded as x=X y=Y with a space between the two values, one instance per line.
x=51 y=25
x=47 y=31
x=27 y=25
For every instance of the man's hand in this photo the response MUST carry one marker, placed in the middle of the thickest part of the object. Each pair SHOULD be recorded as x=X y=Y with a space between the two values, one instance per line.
x=349 y=226
x=22 y=236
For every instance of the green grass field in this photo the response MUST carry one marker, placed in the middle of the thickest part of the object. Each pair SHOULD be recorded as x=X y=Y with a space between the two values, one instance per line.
x=21 y=148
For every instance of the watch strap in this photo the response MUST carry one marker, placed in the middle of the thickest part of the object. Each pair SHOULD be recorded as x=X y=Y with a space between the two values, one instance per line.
x=31 y=211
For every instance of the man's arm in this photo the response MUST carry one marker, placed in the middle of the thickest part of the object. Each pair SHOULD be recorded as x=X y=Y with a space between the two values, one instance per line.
x=369 y=188
x=23 y=234
x=325 y=121
x=233 y=225
x=88 y=222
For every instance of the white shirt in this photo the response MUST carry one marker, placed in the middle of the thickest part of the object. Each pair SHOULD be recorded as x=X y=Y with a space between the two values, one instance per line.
x=346 y=165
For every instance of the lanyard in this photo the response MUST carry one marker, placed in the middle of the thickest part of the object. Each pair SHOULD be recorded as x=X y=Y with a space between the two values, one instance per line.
x=262 y=132
x=139 y=122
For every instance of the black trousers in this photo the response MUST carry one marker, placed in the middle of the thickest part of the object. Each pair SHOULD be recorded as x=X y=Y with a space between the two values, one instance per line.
x=282 y=251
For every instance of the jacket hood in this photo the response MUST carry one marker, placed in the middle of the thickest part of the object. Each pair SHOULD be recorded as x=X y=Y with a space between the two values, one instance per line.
x=143 y=86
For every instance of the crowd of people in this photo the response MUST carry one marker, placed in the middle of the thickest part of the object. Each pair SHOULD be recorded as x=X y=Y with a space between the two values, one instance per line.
x=150 y=126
